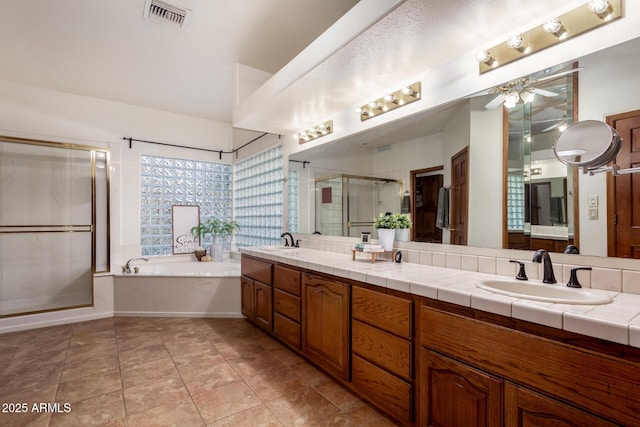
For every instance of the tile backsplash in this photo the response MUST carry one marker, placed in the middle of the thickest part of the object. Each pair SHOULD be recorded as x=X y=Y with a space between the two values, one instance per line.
x=611 y=274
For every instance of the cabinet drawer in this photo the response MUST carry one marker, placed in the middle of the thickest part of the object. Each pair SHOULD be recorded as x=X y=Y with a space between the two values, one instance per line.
x=385 y=350
x=286 y=304
x=386 y=391
x=286 y=279
x=257 y=270
x=287 y=330
x=386 y=312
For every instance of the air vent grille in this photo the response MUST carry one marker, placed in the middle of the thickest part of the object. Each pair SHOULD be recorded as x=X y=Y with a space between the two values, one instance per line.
x=166 y=13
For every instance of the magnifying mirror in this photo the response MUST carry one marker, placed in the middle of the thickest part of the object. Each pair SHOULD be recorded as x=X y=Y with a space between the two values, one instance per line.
x=589 y=144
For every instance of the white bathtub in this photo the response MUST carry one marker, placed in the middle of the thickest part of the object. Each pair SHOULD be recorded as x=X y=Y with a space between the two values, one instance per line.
x=179 y=289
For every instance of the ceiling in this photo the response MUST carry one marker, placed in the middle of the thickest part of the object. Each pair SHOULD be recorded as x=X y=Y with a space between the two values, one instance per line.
x=109 y=50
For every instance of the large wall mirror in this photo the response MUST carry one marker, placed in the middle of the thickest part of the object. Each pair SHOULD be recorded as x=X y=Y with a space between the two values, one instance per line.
x=429 y=140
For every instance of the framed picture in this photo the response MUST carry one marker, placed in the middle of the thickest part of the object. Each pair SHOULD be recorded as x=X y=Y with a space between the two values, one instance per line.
x=184 y=218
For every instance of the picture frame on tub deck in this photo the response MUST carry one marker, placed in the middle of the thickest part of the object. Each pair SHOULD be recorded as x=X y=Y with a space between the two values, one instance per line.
x=183 y=219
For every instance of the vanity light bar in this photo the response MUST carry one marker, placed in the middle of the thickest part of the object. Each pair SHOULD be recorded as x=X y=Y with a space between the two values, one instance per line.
x=390 y=101
x=315 y=132
x=585 y=18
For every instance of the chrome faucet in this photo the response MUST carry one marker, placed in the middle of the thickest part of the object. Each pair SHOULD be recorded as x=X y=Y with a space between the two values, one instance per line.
x=127 y=266
x=286 y=242
x=540 y=256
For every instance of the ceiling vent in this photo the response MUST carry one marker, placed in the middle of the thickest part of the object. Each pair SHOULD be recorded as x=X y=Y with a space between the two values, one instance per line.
x=165 y=13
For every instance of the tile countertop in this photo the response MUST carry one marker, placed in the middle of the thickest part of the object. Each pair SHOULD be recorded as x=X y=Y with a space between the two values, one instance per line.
x=618 y=321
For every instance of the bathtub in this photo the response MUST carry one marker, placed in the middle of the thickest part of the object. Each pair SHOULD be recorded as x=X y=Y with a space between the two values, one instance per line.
x=179 y=289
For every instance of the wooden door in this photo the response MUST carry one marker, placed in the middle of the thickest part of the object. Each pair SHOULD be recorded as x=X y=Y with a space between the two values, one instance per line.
x=624 y=190
x=325 y=323
x=459 y=197
x=247 y=292
x=524 y=408
x=425 y=206
x=263 y=307
x=453 y=394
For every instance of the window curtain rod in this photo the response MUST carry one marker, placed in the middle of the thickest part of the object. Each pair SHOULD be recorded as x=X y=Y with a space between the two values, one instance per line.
x=220 y=152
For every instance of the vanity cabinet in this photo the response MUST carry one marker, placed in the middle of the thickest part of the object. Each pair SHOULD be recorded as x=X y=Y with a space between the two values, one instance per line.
x=287 y=305
x=382 y=350
x=325 y=323
x=486 y=367
x=256 y=291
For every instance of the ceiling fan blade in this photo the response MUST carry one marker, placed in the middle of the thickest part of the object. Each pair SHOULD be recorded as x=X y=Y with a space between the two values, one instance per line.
x=542 y=92
x=552 y=127
x=498 y=100
x=556 y=75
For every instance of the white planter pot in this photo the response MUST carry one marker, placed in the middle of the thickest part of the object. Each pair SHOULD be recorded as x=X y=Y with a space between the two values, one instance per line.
x=217 y=250
x=402 y=234
x=386 y=237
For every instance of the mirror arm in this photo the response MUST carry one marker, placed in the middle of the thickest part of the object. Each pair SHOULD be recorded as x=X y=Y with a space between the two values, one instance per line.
x=614 y=169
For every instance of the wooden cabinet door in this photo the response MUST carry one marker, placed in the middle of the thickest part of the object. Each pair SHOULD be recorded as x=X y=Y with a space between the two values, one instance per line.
x=453 y=394
x=263 y=306
x=525 y=408
x=325 y=323
x=247 y=295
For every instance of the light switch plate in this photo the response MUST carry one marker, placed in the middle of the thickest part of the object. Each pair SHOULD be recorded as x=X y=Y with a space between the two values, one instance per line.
x=592 y=201
x=593 y=213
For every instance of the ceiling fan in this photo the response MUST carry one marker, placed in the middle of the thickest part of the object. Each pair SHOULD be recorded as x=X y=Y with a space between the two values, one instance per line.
x=523 y=89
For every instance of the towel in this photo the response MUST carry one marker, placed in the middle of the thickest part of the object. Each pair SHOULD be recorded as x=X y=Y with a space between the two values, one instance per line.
x=442 y=214
x=406 y=205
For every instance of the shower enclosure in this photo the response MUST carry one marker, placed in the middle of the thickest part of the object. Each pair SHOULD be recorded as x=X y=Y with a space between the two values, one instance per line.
x=347 y=204
x=54 y=226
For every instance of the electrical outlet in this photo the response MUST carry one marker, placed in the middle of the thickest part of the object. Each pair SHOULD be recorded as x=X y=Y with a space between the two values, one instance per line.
x=592 y=200
x=593 y=213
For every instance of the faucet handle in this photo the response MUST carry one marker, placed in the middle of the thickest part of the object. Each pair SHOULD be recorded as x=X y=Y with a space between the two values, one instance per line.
x=522 y=275
x=573 y=279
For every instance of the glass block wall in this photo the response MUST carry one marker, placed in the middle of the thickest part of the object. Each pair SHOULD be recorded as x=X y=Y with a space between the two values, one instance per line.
x=168 y=181
x=258 y=199
x=515 y=202
x=293 y=201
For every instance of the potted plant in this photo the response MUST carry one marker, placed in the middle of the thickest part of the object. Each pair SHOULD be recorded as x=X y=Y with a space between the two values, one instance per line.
x=403 y=224
x=386 y=223
x=219 y=230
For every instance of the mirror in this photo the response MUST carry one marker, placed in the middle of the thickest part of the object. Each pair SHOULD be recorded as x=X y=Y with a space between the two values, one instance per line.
x=540 y=190
x=429 y=140
x=589 y=144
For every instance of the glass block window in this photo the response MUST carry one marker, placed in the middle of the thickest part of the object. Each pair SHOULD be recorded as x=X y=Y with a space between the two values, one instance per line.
x=258 y=199
x=165 y=182
x=293 y=201
x=515 y=202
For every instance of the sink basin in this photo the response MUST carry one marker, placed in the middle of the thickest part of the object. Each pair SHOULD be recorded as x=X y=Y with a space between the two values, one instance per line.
x=537 y=291
x=279 y=248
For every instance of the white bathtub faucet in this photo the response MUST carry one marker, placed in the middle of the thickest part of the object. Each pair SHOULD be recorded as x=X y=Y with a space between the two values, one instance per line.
x=127 y=267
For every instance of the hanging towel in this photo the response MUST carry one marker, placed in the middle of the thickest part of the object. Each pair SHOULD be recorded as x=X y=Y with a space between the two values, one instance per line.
x=442 y=214
x=405 y=207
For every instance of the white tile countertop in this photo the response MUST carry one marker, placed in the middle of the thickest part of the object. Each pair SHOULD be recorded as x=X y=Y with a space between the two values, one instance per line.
x=618 y=321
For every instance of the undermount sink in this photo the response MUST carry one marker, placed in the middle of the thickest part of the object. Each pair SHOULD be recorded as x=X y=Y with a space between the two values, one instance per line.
x=279 y=248
x=537 y=291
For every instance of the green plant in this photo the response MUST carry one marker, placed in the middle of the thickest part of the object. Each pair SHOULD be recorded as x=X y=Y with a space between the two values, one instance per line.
x=216 y=228
x=402 y=220
x=385 y=220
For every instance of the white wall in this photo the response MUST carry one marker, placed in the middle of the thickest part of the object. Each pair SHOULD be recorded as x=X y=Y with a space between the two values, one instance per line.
x=31 y=112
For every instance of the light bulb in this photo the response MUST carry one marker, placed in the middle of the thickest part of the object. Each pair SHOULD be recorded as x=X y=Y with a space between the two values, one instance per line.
x=358 y=110
x=515 y=42
x=602 y=8
x=555 y=27
x=389 y=98
x=527 y=96
x=562 y=127
x=511 y=100
x=483 y=56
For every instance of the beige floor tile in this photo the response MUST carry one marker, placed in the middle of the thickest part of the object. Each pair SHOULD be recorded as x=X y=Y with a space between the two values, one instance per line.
x=258 y=416
x=80 y=352
x=107 y=409
x=201 y=380
x=154 y=393
x=237 y=347
x=89 y=386
x=201 y=360
x=44 y=393
x=90 y=367
x=138 y=374
x=309 y=408
x=29 y=380
x=224 y=401
x=23 y=362
x=25 y=419
x=137 y=340
x=338 y=395
x=252 y=364
x=308 y=374
x=139 y=356
x=276 y=383
x=196 y=343
x=182 y=413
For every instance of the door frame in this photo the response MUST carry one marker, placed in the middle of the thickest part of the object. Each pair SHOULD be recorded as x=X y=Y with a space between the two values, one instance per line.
x=463 y=152
x=412 y=184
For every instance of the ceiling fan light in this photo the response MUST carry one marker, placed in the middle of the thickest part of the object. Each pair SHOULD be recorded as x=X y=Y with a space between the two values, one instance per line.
x=527 y=96
x=511 y=99
x=562 y=127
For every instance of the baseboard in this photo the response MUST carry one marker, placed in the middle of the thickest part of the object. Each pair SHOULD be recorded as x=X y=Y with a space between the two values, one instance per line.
x=224 y=315
x=51 y=322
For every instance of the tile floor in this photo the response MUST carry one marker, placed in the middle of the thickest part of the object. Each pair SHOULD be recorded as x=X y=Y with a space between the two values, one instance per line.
x=167 y=371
